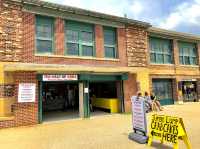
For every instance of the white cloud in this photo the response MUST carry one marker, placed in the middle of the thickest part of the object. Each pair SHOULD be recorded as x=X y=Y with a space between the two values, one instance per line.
x=136 y=9
x=113 y=7
x=186 y=13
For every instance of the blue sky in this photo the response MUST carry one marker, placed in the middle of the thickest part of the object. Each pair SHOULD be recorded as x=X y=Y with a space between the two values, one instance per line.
x=179 y=15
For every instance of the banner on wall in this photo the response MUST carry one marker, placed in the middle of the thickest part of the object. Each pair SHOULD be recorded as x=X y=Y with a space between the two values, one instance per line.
x=26 y=92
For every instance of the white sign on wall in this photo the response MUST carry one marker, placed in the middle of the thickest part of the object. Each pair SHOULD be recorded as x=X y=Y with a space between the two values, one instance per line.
x=26 y=92
x=60 y=77
x=138 y=114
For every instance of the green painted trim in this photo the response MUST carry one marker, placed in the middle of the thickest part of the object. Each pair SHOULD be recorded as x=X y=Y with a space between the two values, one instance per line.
x=158 y=48
x=40 y=103
x=46 y=20
x=71 y=16
x=93 y=78
x=166 y=102
x=183 y=54
x=80 y=27
x=86 y=100
x=115 y=46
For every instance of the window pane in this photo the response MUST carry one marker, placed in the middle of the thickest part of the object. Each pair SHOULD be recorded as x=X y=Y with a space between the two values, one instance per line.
x=187 y=60
x=193 y=52
x=153 y=58
x=109 y=52
x=181 y=60
x=72 y=49
x=87 y=37
x=168 y=59
x=44 y=31
x=87 y=50
x=159 y=58
x=44 y=46
x=72 y=36
x=193 y=61
x=109 y=37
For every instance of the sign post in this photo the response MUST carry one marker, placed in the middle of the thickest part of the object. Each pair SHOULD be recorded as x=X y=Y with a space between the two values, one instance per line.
x=138 y=120
x=168 y=129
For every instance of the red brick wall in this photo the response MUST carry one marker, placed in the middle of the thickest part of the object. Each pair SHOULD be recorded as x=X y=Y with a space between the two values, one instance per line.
x=29 y=46
x=24 y=113
x=59 y=37
x=99 y=41
x=130 y=89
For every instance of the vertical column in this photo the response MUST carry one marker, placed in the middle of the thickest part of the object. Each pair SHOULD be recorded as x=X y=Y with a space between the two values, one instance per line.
x=120 y=95
x=59 y=37
x=84 y=108
x=99 y=41
x=129 y=90
x=198 y=52
x=121 y=45
x=198 y=89
x=1 y=90
x=81 y=96
x=177 y=91
x=175 y=52
x=86 y=99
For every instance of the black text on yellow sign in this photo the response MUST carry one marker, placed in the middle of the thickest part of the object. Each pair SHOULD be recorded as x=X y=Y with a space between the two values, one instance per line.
x=167 y=129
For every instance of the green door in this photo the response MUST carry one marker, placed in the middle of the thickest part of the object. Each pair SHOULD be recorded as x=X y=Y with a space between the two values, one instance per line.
x=163 y=90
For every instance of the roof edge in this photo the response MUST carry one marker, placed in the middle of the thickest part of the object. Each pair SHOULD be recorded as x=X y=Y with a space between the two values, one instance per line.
x=85 y=12
x=173 y=33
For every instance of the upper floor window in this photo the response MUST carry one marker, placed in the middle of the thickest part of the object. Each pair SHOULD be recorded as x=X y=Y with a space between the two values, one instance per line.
x=110 y=46
x=79 y=38
x=44 y=34
x=160 y=51
x=187 y=53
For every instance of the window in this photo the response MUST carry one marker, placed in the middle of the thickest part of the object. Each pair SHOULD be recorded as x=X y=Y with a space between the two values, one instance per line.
x=160 y=51
x=162 y=88
x=44 y=34
x=187 y=53
x=79 y=39
x=110 y=45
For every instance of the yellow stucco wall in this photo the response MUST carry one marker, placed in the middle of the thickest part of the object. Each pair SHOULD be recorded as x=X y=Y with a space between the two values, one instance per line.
x=5 y=103
x=143 y=80
x=5 y=106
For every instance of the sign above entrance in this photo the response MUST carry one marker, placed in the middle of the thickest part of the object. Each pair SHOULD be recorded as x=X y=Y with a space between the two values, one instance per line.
x=60 y=77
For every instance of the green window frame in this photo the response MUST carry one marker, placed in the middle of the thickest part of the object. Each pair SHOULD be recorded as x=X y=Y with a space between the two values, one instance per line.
x=44 y=34
x=160 y=51
x=79 y=39
x=187 y=53
x=162 y=88
x=110 y=42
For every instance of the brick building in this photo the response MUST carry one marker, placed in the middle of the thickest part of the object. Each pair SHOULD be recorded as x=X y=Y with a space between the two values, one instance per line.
x=174 y=65
x=51 y=52
x=67 y=58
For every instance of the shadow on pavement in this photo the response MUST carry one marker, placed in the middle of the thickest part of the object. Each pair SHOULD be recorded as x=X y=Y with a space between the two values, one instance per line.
x=158 y=145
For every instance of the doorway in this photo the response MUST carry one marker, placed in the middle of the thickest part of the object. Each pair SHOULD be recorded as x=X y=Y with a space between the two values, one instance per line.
x=60 y=101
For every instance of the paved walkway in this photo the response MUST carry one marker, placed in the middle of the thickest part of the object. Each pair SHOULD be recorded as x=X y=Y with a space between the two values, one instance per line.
x=101 y=132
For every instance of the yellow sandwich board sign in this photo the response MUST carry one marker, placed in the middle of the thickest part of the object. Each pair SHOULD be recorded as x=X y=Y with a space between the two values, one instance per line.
x=168 y=129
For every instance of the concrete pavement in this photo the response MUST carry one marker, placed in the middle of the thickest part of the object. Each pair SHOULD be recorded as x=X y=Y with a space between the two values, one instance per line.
x=100 y=132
